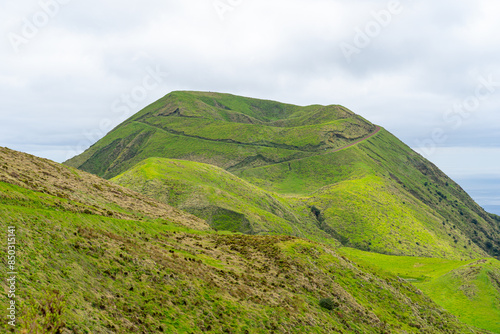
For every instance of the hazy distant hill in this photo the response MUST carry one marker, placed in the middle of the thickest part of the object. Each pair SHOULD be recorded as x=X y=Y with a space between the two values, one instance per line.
x=495 y=209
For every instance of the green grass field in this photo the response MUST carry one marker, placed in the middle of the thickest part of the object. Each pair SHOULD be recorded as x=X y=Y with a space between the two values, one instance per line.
x=468 y=289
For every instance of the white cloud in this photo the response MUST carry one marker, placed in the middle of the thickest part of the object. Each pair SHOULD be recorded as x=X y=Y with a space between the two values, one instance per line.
x=64 y=80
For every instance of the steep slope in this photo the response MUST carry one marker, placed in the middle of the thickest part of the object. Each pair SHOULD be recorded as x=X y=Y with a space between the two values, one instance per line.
x=468 y=289
x=65 y=188
x=89 y=272
x=223 y=130
x=375 y=195
x=380 y=195
x=225 y=201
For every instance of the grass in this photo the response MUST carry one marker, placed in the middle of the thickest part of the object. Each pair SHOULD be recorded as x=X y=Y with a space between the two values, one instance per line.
x=406 y=190
x=365 y=212
x=469 y=289
x=155 y=276
x=43 y=184
x=226 y=132
x=162 y=271
x=471 y=292
x=291 y=150
x=222 y=199
x=307 y=175
x=264 y=167
x=373 y=214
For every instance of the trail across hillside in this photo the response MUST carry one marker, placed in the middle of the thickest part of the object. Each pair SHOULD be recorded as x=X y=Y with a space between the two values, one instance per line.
x=377 y=129
x=293 y=148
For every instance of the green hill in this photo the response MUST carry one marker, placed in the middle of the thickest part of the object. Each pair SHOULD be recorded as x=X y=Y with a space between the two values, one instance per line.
x=225 y=201
x=223 y=130
x=94 y=257
x=330 y=167
x=469 y=289
x=230 y=203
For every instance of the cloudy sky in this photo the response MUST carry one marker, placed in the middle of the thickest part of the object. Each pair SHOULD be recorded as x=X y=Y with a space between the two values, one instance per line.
x=428 y=71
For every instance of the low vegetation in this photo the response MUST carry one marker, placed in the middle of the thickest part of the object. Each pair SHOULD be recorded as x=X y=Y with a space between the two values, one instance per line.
x=225 y=201
x=86 y=272
x=469 y=289
x=307 y=156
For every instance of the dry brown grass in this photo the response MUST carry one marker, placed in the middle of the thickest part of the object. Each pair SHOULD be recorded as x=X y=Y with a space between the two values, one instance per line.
x=97 y=195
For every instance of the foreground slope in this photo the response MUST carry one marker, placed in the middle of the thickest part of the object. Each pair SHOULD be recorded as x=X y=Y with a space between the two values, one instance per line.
x=90 y=272
x=80 y=192
x=357 y=184
x=469 y=289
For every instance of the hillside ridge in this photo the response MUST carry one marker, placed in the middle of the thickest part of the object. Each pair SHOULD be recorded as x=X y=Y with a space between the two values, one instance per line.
x=355 y=174
x=82 y=192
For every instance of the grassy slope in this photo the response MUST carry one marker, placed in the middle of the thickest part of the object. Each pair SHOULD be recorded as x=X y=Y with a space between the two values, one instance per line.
x=156 y=275
x=431 y=186
x=378 y=195
x=291 y=150
x=224 y=130
x=409 y=193
x=365 y=212
x=224 y=200
x=80 y=192
x=469 y=289
x=373 y=214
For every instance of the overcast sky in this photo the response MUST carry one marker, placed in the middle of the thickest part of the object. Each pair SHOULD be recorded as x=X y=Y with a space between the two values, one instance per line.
x=428 y=71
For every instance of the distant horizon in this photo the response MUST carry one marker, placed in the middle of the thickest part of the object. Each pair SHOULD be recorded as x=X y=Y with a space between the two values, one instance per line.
x=495 y=209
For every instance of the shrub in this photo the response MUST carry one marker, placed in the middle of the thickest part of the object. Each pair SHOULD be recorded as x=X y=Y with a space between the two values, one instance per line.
x=45 y=315
x=327 y=303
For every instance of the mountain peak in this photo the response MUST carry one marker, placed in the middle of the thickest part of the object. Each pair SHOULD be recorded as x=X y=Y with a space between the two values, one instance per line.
x=238 y=109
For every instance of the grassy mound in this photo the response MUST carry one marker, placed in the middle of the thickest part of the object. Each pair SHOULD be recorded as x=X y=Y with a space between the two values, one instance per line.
x=225 y=201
